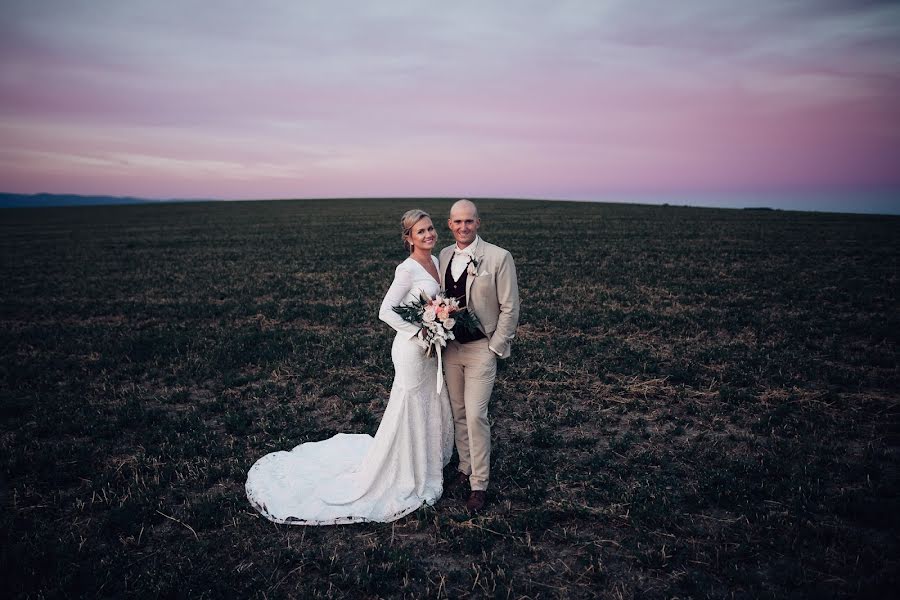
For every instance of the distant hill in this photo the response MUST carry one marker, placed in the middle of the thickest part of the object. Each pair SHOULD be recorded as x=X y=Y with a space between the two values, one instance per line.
x=36 y=200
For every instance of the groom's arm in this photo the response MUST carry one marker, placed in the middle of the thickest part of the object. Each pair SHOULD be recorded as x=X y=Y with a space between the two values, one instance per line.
x=508 y=299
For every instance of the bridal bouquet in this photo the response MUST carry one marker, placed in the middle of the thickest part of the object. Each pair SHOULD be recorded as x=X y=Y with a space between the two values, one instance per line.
x=436 y=318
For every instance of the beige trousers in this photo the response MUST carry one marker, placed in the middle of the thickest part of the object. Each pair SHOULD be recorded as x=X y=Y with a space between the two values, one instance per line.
x=470 y=370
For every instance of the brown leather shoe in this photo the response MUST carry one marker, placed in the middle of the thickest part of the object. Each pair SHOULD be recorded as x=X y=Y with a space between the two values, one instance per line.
x=476 y=501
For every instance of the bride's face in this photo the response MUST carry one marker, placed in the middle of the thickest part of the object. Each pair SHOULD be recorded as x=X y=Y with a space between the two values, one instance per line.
x=423 y=234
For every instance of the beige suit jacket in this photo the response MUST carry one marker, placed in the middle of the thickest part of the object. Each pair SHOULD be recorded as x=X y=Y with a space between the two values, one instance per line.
x=492 y=294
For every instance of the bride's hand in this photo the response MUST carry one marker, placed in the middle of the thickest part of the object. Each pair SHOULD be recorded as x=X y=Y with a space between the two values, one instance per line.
x=420 y=340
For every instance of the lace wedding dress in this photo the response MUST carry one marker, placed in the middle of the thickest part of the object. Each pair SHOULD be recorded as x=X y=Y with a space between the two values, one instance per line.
x=352 y=478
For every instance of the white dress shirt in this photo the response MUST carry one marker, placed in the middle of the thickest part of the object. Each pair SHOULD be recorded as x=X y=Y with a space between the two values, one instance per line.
x=461 y=258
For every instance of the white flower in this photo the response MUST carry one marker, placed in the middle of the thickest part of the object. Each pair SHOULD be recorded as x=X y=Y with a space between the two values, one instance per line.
x=471 y=268
x=428 y=315
x=449 y=323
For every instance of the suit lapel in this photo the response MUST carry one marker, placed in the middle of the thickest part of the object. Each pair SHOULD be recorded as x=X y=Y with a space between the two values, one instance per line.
x=479 y=258
x=443 y=261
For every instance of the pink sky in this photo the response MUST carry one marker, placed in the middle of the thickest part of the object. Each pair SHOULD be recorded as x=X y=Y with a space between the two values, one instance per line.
x=582 y=100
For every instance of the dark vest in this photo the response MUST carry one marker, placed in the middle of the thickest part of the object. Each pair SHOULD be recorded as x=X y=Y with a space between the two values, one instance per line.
x=457 y=289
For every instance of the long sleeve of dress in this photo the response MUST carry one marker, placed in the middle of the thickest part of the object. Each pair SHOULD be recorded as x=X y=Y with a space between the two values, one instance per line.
x=396 y=295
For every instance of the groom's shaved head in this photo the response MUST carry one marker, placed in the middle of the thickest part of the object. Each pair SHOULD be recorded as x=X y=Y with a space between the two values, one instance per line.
x=464 y=205
x=464 y=222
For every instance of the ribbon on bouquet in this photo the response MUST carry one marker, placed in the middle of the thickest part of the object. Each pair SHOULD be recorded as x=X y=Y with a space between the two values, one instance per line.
x=440 y=373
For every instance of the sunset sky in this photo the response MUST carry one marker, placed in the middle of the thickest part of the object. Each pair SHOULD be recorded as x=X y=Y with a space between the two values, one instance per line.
x=583 y=100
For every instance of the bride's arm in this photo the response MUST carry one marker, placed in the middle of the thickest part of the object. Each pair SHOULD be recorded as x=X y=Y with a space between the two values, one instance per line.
x=396 y=294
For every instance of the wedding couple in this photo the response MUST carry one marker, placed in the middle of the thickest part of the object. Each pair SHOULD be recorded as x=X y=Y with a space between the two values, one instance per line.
x=355 y=477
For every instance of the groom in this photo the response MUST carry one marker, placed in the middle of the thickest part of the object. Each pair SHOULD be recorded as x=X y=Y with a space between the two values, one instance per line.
x=483 y=277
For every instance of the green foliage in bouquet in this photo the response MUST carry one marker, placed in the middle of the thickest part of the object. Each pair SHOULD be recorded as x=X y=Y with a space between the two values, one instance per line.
x=437 y=315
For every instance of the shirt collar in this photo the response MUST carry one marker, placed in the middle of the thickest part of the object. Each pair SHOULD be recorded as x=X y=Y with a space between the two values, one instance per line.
x=470 y=249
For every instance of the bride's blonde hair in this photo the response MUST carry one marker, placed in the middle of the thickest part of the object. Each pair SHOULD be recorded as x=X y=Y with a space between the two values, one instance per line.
x=410 y=218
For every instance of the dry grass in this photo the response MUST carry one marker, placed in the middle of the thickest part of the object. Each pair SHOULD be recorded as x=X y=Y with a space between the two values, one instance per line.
x=701 y=403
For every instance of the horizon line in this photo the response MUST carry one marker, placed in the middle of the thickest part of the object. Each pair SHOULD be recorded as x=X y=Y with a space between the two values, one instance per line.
x=888 y=205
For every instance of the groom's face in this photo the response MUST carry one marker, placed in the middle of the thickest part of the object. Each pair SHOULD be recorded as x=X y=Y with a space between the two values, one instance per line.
x=464 y=223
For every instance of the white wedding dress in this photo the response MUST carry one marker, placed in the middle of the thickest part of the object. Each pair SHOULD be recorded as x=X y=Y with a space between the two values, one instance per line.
x=352 y=478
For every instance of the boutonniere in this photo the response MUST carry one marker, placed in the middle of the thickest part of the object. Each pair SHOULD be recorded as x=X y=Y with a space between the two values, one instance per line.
x=472 y=267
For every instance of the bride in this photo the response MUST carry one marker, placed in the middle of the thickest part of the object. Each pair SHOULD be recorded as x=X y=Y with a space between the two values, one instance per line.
x=352 y=478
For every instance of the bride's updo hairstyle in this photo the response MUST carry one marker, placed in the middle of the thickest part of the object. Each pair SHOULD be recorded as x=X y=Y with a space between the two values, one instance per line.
x=410 y=218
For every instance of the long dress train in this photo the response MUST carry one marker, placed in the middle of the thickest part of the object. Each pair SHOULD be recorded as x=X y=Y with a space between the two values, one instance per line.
x=352 y=478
